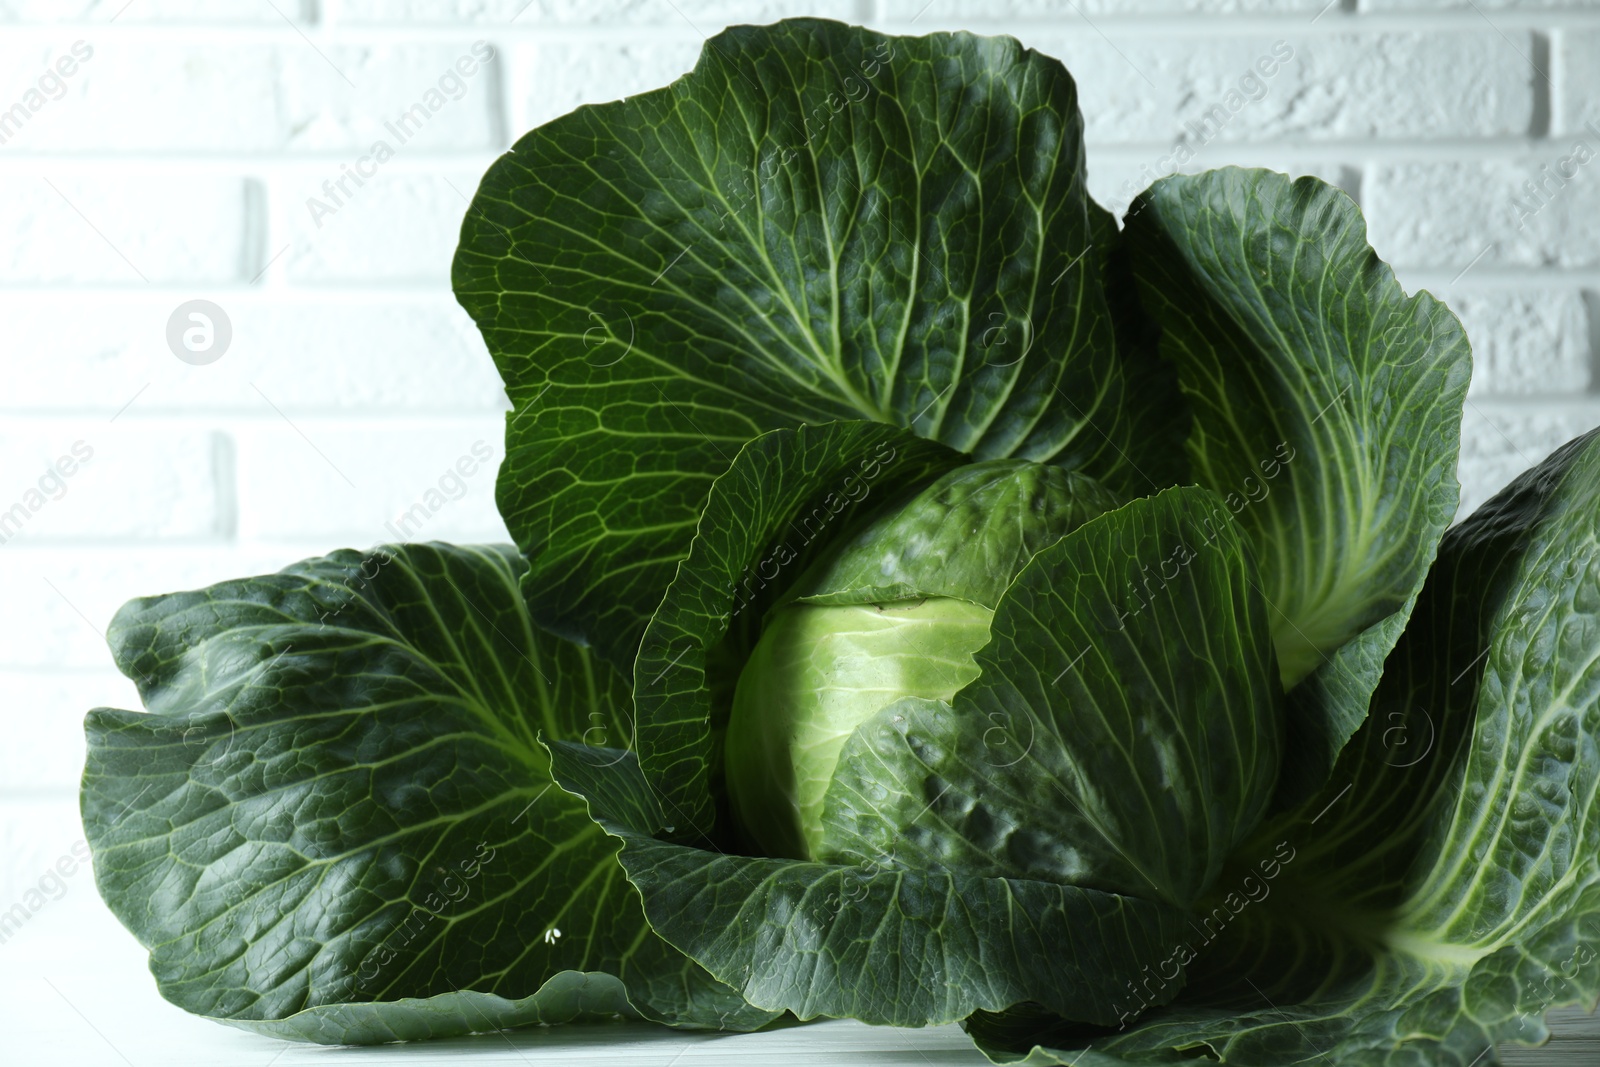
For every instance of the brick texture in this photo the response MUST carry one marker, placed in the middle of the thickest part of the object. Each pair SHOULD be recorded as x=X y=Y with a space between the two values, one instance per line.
x=133 y=96
x=967 y=10
x=308 y=352
x=305 y=166
x=707 y=17
x=46 y=748
x=1541 y=211
x=96 y=227
x=1577 y=84
x=358 y=487
x=551 y=80
x=1297 y=85
x=203 y=12
x=1525 y=342
x=1486 y=5
x=59 y=599
x=97 y=481
x=394 y=228
x=1500 y=441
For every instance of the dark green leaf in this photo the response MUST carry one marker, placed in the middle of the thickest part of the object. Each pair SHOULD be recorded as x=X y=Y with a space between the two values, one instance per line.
x=818 y=223
x=1280 y=994
x=337 y=823
x=1445 y=888
x=1123 y=734
x=903 y=948
x=1521 y=840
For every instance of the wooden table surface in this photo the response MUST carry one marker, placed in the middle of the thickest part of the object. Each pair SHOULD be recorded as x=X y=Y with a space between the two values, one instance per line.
x=74 y=991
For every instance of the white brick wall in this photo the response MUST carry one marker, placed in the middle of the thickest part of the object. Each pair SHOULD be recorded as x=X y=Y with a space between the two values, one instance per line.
x=177 y=158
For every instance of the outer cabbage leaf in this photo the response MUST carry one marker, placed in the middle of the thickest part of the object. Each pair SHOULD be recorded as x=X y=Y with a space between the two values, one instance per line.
x=1279 y=993
x=1327 y=409
x=336 y=821
x=1445 y=888
x=818 y=223
x=1123 y=733
x=895 y=947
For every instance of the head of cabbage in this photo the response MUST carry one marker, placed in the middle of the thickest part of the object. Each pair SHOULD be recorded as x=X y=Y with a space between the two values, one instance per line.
x=896 y=610
x=1142 y=710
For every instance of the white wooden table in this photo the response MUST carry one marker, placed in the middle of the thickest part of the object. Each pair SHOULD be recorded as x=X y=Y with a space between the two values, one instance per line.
x=74 y=991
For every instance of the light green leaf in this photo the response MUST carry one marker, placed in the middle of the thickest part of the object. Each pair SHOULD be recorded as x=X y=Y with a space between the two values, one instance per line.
x=966 y=535
x=818 y=223
x=1123 y=733
x=819 y=672
x=336 y=821
x=1327 y=409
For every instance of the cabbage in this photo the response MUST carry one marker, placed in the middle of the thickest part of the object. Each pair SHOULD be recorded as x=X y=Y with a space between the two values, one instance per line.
x=931 y=602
